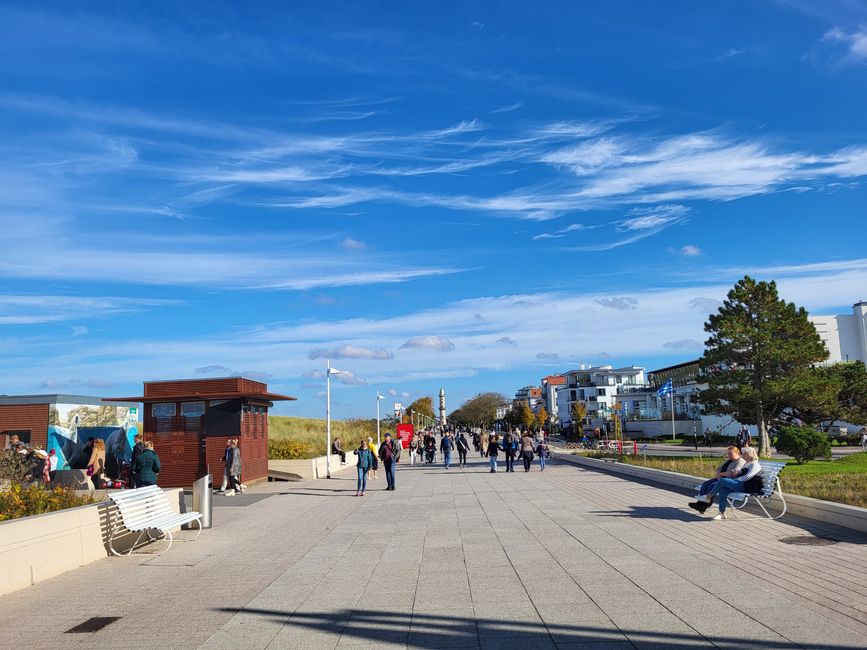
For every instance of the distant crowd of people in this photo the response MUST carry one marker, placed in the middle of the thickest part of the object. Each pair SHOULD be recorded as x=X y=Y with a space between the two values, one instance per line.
x=425 y=446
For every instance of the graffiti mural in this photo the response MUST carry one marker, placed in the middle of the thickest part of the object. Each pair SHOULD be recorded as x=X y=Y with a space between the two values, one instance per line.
x=70 y=426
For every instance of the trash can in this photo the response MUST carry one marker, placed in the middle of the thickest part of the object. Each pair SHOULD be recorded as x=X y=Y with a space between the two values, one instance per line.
x=202 y=499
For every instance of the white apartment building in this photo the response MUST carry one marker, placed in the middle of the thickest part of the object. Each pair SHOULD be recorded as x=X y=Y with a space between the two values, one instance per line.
x=845 y=335
x=598 y=387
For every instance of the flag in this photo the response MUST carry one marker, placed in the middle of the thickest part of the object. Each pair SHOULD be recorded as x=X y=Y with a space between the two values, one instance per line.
x=666 y=389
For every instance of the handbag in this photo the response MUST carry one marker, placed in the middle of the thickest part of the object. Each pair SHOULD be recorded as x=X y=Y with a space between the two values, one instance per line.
x=90 y=470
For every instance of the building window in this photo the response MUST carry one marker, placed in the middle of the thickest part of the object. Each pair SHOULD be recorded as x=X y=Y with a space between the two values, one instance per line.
x=601 y=392
x=23 y=436
x=164 y=410
x=192 y=409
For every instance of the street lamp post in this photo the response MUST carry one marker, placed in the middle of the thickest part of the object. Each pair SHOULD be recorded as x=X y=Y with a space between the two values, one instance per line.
x=328 y=372
x=378 y=398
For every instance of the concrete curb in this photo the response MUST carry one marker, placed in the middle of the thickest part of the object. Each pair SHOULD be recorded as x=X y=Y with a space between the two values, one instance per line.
x=828 y=512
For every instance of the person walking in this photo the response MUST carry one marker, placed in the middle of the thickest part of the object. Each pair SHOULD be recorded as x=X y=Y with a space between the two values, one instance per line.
x=388 y=454
x=484 y=441
x=493 y=449
x=463 y=448
x=527 y=450
x=509 y=445
x=446 y=446
x=234 y=469
x=413 y=449
x=226 y=460
x=864 y=439
x=362 y=465
x=373 y=450
x=147 y=466
x=542 y=450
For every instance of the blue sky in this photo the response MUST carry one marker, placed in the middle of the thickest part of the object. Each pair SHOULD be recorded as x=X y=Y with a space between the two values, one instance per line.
x=467 y=195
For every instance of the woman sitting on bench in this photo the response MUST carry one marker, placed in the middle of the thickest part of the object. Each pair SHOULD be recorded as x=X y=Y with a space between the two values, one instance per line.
x=748 y=481
x=729 y=469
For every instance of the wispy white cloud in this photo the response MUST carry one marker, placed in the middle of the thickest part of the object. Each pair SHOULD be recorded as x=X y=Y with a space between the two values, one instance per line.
x=690 y=250
x=33 y=309
x=572 y=325
x=853 y=41
x=438 y=343
x=350 y=352
x=508 y=108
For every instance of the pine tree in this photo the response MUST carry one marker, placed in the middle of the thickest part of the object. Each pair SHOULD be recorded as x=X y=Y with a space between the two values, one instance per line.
x=759 y=348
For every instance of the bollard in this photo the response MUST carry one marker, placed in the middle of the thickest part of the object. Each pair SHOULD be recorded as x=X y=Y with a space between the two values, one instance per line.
x=202 y=499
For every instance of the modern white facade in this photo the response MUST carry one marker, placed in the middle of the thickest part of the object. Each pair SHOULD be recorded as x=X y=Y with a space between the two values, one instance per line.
x=845 y=335
x=599 y=388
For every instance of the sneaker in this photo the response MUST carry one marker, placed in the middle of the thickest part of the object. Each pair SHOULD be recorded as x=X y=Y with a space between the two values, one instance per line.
x=229 y=493
x=362 y=493
x=720 y=517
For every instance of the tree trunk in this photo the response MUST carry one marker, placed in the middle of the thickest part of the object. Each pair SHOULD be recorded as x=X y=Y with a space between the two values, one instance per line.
x=764 y=438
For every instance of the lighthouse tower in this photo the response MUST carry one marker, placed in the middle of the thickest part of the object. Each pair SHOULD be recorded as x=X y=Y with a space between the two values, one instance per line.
x=442 y=406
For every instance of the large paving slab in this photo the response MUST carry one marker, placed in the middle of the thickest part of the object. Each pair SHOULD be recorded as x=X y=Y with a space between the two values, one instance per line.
x=568 y=558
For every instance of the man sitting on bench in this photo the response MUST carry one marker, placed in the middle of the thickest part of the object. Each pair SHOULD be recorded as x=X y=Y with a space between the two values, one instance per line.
x=729 y=469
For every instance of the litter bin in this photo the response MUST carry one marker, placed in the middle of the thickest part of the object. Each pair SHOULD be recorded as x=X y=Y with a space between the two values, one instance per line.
x=202 y=499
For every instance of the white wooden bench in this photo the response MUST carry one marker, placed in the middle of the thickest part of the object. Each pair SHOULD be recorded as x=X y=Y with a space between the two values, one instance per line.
x=145 y=510
x=770 y=487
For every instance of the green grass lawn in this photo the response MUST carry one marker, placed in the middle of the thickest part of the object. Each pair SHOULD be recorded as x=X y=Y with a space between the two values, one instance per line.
x=842 y=481
x=305 y=437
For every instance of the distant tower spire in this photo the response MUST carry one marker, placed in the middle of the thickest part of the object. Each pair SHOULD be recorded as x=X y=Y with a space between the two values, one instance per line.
x=442 y=406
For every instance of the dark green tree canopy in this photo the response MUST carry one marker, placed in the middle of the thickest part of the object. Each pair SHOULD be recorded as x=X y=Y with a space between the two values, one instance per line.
x=759 y=348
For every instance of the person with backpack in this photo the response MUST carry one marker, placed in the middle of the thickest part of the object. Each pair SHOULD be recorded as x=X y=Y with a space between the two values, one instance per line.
x=509 y=445
x=446 y=446
x=363 y=465
x=463 y=447
x=389 y=455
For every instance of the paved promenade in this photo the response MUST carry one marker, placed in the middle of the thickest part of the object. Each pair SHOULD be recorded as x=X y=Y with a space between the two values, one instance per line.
x=568 y=558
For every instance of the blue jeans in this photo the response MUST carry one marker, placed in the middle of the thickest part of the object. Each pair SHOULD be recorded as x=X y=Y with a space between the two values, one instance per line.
x=389 y=473
x=447 y=458
x=726 y=486
x=362 y=479
x=542 y=460
x=493 y=461
x=708 y=487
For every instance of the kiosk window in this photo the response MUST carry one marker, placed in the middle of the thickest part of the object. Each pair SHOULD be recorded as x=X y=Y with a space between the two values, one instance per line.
x=164 y=410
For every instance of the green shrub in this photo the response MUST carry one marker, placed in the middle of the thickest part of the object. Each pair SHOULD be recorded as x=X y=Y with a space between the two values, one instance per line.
x=802 y=443
x=18 y=500
x=288 y=449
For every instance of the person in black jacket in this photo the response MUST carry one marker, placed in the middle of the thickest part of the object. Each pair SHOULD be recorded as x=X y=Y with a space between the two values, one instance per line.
x=463 y=447
x=137 y=449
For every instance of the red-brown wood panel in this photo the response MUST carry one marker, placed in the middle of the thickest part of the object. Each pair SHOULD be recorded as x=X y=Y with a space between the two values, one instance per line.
x=25 y=417
x=179 y=457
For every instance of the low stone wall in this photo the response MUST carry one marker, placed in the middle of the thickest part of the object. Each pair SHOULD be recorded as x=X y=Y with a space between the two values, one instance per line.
x=828 y=512
x=36 y=548
x=307 y=468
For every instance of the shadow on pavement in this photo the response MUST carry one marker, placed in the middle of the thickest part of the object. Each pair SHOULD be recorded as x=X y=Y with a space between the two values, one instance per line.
x=653 y=512
x=445 y=630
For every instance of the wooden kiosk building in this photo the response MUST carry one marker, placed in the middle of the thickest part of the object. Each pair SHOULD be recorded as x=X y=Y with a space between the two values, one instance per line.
x=190 y=420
